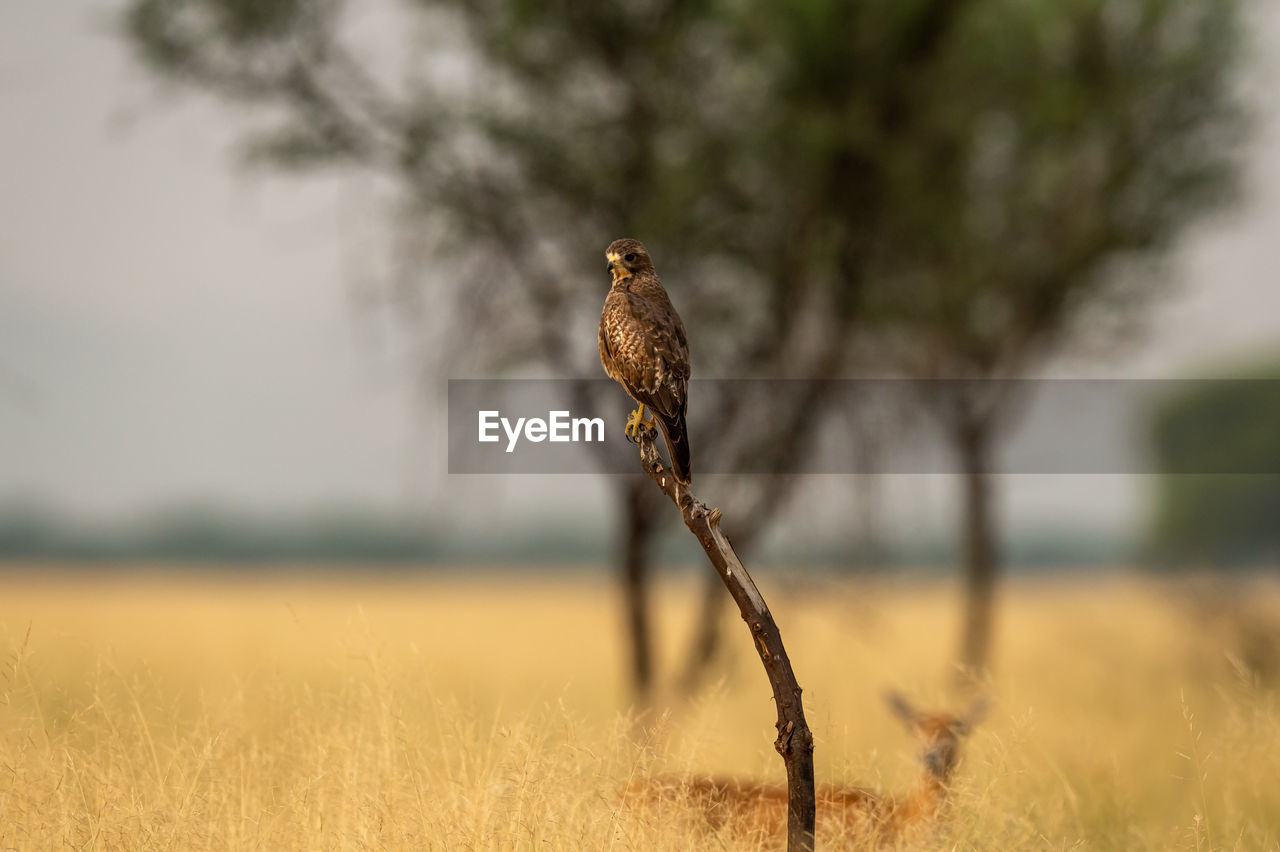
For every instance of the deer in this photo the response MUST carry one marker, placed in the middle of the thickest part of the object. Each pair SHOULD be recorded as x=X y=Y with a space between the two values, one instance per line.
x=756 y=812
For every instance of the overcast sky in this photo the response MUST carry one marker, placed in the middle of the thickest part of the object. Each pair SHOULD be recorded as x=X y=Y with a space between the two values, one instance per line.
x=173 y=328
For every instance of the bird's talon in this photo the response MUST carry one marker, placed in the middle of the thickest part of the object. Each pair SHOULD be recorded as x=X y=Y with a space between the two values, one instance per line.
x=634 y=424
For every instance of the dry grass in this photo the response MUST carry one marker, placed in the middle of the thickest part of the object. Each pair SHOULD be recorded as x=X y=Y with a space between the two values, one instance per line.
x=485 y=714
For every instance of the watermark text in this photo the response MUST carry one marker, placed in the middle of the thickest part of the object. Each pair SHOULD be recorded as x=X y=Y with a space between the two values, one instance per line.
x=559 y=427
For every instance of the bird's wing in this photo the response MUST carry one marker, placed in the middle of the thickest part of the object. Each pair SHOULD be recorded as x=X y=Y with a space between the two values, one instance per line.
x=606 y=351
x=660 y=374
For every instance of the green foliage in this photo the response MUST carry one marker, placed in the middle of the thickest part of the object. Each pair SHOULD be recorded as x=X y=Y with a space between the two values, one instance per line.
x=258 y=51
x=949 y=187
x=963 y=175
x=1063 y=142
x=1217 y=444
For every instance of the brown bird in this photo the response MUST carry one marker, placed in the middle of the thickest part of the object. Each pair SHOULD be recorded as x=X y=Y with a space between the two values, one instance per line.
x=643 y=348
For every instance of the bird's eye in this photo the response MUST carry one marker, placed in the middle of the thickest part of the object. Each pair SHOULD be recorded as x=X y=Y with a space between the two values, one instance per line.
x=630 y=258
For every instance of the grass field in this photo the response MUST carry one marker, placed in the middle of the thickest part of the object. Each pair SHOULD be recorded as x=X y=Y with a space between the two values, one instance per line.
x=144 y=713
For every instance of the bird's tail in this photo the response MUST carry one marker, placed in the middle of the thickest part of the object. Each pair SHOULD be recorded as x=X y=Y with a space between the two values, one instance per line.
x=673 y=429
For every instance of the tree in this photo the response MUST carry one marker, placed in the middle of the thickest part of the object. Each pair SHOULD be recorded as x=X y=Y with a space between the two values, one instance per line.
x=961 y=177
x=847 y=86
x=1218 y=492
x=578 y=122
x=1089 y=138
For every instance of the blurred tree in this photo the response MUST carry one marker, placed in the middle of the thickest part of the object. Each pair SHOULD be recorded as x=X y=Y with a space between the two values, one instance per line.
x=999 y=178
x=969 y=175
x=1067 y=145
x=840 y=88
x=1217 y=447
x=521 y=138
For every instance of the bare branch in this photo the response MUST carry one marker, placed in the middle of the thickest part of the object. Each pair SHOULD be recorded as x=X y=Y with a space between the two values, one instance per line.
x=795 y=740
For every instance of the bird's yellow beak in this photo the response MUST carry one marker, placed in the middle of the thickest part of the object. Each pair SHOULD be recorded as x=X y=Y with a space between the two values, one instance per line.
x=615 y=266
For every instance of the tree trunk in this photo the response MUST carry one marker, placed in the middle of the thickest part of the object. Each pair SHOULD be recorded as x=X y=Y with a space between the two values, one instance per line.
x=637 y=534
x=795 y=740
x=974 y=444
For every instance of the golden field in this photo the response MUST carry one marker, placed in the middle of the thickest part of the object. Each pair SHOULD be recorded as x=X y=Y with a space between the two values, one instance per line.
x=492 y=713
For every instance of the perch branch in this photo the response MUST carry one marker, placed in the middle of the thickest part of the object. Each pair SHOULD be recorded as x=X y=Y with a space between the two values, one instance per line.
x=795 y=741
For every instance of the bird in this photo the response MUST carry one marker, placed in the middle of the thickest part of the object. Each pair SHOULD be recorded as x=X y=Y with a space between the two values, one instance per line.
x=643 y=347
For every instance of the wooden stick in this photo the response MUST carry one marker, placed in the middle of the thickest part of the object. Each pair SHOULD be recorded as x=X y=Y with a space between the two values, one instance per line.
x=795 y=740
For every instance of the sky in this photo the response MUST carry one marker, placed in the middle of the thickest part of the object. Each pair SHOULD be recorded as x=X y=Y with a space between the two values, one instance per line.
x=174 y=327
x=170 y=325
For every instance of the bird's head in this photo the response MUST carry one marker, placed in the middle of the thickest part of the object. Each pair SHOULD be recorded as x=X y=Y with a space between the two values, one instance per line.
x=626 y=258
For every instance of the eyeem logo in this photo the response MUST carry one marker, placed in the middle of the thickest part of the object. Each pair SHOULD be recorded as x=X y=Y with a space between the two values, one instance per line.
x=558 y=428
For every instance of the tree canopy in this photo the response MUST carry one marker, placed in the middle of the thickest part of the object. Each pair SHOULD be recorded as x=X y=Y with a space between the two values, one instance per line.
x=936 y=187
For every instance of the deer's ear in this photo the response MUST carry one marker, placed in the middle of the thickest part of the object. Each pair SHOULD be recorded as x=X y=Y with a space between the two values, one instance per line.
x=901 y=707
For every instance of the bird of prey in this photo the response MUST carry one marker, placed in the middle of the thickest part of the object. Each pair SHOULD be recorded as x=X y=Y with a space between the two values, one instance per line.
x=643 y=348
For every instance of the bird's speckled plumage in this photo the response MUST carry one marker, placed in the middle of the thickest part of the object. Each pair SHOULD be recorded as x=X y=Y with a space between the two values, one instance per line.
x=643 y=345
